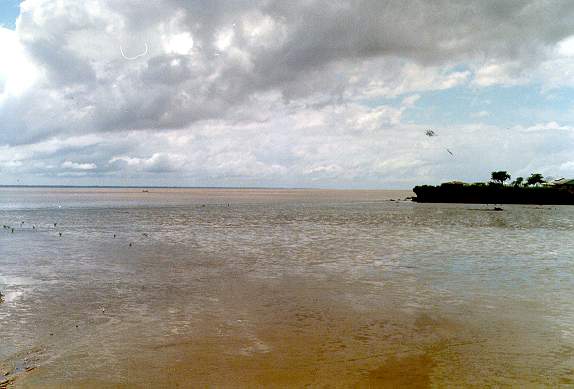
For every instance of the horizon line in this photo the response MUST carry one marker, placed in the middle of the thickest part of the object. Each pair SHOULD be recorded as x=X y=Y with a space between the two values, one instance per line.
x=178 y=187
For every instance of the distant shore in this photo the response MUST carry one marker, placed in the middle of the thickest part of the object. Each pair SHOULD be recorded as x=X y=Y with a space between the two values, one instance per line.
x=493 y=194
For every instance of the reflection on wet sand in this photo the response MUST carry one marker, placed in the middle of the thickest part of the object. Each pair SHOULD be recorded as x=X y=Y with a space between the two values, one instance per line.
x=285 y=293
x=293 y=334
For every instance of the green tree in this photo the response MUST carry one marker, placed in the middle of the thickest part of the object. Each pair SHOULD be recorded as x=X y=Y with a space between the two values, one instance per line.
x=500 y=176
x=534 y=179
x=518 y=181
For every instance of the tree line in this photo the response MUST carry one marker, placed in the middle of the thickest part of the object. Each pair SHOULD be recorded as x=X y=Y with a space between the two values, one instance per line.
x=500 y=177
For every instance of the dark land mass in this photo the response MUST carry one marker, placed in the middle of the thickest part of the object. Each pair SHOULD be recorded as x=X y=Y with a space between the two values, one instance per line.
x=493 y=194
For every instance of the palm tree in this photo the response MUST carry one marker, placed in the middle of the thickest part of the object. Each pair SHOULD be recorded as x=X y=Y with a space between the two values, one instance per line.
x=534 y=179
x=518 y=181
x=500 y=176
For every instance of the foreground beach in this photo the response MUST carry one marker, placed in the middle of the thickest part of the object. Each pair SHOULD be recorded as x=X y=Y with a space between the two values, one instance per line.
x=280 y=288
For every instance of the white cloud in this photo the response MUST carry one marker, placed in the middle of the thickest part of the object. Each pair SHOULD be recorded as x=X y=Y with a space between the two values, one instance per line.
x=480 y=114
x=78 y=166
x=181 y=43
x=500 y=74
x=17 y=73
x=549 y=126
x=224 y=39
x=156 y=163
x=565 y=47
x=410 y=101
x=384 y=77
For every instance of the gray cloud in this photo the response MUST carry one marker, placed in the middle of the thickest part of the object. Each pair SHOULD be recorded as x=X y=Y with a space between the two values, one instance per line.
x=298 y=48
x=289 y=84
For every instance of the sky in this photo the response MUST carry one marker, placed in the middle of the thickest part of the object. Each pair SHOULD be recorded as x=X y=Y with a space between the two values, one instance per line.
x=301 y=93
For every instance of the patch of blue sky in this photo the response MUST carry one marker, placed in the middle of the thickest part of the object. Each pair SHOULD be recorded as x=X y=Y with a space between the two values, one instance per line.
x=507 y=106
x=9 y=11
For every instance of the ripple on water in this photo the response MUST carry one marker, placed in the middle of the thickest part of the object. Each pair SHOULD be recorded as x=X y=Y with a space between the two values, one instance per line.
x=328 y=288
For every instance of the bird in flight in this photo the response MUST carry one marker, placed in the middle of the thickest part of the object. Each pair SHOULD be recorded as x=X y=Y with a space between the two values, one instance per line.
x=450 y=152
x=430 y=133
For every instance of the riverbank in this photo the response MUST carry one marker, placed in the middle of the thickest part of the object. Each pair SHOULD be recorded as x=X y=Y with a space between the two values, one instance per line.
x=492 y=194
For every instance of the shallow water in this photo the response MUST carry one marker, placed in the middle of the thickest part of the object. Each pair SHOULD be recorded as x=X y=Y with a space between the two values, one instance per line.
x=282 y=288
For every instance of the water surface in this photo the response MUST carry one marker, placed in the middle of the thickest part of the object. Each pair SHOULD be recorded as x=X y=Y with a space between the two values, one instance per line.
x=282 y=288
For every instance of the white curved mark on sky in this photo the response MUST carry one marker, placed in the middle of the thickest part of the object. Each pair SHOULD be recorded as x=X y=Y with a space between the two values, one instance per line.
x=137 y=56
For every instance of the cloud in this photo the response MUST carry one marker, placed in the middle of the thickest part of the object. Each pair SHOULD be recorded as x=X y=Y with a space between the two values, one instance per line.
x=156 y=163
x=78 y=166
x=330 y=153
x=259 y=90
x=480 y=114
x=17 y=73
x=207 y=59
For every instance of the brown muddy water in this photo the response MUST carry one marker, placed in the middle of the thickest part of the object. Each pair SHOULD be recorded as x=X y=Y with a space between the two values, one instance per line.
x=281 y=288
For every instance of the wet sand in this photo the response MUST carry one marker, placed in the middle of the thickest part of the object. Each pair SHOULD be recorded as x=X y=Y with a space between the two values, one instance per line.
x=331 y=291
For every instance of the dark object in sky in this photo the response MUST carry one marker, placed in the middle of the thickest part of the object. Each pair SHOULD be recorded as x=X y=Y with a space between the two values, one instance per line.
x=430 y=133
x=450 y=152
